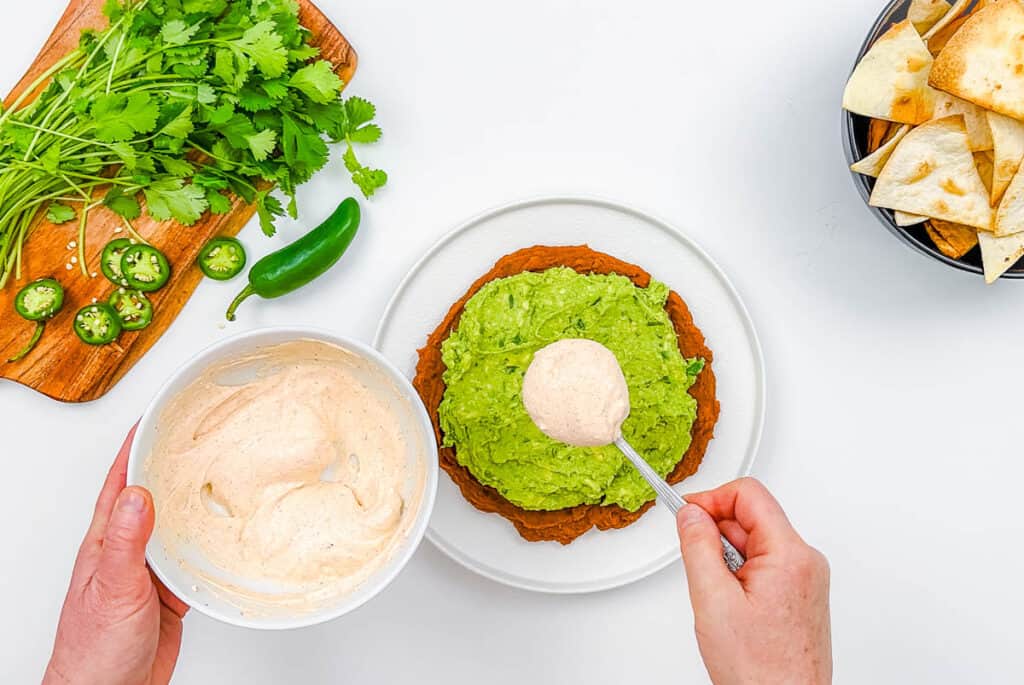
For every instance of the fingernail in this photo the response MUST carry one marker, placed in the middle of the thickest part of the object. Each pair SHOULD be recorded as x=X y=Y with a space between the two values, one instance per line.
x=689 y=515
x=131 y=502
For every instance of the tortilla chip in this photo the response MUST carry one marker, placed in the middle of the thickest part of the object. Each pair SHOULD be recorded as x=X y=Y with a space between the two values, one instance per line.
x=953 y=240
x=999 y=254
x=879 y=132
x=873 y=164
x=939 y=40
x=955 y=11
x=979 y=135
x=903 y=219
x=982 y=63
x=1008 y=146
x=891 y=81
x=924 y=14
x=985 y=169
x=1010 y=214
x=932 y=173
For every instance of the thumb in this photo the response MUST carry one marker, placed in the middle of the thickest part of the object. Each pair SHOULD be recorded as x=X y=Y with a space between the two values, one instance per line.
x=701 y=545
x=122 y=564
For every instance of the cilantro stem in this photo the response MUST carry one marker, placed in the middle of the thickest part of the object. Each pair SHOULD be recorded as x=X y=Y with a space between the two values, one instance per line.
x=83 y=219
x=113 y=59
x=59 y=134
x=133 y=233
x=63 y=96
x=30 y=89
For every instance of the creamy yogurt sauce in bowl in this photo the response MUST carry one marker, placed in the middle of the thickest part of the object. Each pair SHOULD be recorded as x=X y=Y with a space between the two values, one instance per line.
x=292 y=478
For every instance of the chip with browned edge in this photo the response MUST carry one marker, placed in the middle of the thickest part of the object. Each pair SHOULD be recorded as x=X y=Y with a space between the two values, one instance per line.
x=1008 y=146
x=932 y=173
x=983 y=63
x=891 y=81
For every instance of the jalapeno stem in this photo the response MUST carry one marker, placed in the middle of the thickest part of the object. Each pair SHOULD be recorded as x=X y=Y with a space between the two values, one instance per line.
x=248 y=291
x=40 y=325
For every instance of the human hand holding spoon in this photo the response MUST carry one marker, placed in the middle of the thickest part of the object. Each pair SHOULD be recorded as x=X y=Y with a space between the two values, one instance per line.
x=576 y=393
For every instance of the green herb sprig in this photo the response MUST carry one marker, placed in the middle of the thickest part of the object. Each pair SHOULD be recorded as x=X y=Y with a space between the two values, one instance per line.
x=180 y=104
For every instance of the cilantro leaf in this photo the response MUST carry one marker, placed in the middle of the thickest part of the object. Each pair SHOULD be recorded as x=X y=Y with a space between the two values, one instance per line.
x=359 y=111
x=219 y=203
x=176 y=166
x=262 y=144
x=255 y=99
x=275 y=88
x=268 y=207
x=51 y=158
x=303 y=53
x=112 y=10
x=125 y=206
x=231 y=68
x=329 y=118
x=305 y=152
x=126 y=154
x=180 y=126
x=237 y=130
x=221 y=114
x=368 y=180
x=212 y=8
x=58 y=213
x=170 y=198
x=119 y=117
x=177 y=32
x=370 y=133
x=264 y=47
x=317 y=81
x=205 y=94
x=210 y=180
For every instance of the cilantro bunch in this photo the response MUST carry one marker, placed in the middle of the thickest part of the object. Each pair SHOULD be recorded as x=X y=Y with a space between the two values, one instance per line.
x=183 y=105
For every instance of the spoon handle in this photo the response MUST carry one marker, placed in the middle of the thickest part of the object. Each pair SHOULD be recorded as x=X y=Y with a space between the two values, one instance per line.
x=670 y=498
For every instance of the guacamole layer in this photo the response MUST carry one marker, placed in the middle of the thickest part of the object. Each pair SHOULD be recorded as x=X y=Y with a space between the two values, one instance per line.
x=481 y=413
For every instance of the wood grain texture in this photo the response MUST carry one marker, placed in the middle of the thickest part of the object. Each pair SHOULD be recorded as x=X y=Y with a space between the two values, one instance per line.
x=62 y=367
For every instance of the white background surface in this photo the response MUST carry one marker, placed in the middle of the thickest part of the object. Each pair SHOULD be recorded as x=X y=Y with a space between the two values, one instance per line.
x=893 y=410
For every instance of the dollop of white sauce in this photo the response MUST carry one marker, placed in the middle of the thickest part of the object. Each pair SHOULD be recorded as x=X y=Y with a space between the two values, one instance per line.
x=575 y=392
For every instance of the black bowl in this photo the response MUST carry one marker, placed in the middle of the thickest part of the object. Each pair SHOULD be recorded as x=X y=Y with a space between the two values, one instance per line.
x=855 y=137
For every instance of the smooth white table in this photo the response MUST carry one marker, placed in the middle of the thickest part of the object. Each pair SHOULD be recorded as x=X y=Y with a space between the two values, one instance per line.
x=893 y=413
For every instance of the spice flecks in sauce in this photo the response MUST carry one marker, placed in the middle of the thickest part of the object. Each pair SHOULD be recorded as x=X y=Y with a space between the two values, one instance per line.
x=291 y=483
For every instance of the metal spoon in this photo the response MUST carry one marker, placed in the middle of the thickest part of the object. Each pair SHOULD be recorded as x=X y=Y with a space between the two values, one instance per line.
x=671 y=499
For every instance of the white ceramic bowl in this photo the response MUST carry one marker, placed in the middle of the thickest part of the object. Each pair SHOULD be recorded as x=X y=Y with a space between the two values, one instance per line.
x=416 y=428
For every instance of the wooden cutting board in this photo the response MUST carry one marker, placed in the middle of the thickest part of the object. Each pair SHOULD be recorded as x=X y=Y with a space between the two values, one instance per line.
x=61 y=366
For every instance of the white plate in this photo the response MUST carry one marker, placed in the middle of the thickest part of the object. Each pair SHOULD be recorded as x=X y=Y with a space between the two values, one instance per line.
x=487 y=543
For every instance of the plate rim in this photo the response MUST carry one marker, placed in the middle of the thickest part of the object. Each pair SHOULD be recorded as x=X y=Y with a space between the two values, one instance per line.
x=661 y=563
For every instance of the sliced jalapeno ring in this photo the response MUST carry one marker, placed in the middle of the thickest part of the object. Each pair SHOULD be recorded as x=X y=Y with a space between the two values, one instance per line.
x=145 y=268
x=221 y=258
x=110 y=260
x=97 y=324
x=38 y=301
x=133 y=308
